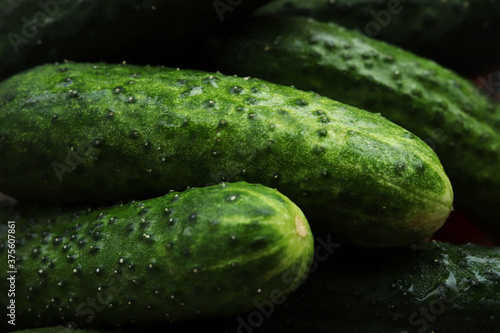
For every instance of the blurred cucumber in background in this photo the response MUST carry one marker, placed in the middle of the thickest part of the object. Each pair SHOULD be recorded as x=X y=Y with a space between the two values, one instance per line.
x=455 y=33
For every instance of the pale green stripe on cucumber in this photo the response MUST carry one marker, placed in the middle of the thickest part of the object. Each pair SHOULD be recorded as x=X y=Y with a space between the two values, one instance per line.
x=95 y=132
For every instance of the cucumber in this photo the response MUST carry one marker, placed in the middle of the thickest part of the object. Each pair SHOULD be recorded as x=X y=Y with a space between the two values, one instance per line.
x=457 y=34
x=95 y=132
x=151 y=31
x=433 y=287
x=435 y=104
x=206 y=252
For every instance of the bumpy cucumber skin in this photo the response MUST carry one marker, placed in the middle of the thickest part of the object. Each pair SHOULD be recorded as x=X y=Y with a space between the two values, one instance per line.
x=123 y=132
x=458 y=34
x=435 y=104
x=205 y=252
x=456 y=287
x=151 y=31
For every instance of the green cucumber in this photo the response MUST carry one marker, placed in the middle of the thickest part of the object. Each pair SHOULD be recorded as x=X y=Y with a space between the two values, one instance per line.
x=430 y=287
x=206 y=252
x=458 y=34
x=435 y=104
x=152 y=31
x=95 y=132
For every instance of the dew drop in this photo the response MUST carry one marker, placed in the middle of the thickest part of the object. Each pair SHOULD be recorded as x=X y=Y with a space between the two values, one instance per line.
x=232 y=198
x=236 y=90
x=318 y=149
x=73 y=93
x=209 y=104
x=134 y=134
x=97 y=143
x=388 y=59
x=117 y=90
x=251 y=101
x=322 y=132
x=301 y=102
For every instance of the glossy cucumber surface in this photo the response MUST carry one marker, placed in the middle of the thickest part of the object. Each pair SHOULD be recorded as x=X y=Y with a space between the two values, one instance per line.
x=87 y=133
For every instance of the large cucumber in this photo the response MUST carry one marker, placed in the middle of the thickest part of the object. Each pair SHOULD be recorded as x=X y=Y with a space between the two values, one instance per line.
x=97 y=132
x=435 y=104
x=33 y=32
x=458 y=34
x=206 y=252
